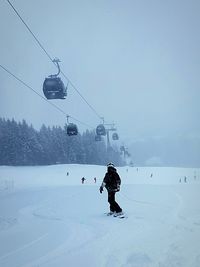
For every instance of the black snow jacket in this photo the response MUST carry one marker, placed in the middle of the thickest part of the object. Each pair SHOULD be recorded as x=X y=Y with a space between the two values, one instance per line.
x=112 y=180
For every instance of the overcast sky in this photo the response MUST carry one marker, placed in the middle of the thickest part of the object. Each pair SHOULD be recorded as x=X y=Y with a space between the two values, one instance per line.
x=136 y=62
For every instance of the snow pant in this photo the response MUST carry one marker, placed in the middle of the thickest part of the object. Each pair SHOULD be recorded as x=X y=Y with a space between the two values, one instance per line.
x=114 y=207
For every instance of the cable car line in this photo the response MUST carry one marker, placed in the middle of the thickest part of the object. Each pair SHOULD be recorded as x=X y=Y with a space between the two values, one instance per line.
x=52 y=60
x=28 y=28
x=80 y=94
x=52 y=104
x=71 y=128
x=100 y=129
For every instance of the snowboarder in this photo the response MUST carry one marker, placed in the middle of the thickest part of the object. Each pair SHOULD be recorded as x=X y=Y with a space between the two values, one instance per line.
x=95 y=180
x=112 y=183
x=83 y=180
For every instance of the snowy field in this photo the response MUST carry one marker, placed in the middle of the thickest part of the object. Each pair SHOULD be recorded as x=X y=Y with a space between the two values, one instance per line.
x=49 y=219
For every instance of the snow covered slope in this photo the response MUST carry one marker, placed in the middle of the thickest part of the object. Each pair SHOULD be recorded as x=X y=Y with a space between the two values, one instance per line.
x=50 y=219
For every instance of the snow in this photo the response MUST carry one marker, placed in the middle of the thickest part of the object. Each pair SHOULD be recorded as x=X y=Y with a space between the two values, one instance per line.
x=50 y=219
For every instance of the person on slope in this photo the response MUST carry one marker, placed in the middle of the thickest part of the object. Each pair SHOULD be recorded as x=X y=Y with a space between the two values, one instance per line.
x=112 y=183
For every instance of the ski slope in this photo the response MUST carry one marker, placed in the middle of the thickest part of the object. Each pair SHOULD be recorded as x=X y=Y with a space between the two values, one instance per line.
x=49 y=219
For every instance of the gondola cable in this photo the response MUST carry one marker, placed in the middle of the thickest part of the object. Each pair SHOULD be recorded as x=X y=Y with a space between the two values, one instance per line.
x=52 y=60
x=52 y=104
x=28 y=28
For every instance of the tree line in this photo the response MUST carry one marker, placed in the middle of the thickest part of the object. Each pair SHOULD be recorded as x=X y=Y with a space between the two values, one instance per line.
x=22 y=145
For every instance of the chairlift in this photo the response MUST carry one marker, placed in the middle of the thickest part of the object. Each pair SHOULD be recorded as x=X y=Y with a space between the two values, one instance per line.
x=53 y=86
x=100 y=130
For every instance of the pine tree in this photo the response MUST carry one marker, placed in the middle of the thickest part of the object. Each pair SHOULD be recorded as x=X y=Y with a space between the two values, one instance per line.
x=21 y=144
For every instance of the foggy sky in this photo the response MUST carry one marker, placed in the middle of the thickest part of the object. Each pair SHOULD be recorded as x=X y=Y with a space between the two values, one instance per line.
x=136 y=62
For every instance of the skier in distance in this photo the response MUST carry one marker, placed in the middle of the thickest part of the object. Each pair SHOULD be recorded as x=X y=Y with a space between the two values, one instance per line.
x=112 y=183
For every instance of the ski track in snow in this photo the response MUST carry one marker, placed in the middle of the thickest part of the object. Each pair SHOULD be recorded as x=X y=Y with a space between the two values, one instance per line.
x=11 y=254
x=48 y=223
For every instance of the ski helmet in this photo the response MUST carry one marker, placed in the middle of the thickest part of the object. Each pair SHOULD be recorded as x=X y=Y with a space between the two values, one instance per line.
x=110 y=165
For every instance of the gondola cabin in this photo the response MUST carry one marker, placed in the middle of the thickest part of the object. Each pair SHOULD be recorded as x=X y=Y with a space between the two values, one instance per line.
x=100 y=130
x=54 y=88
x=115 y=136
x=72 y=129
x=97 y=137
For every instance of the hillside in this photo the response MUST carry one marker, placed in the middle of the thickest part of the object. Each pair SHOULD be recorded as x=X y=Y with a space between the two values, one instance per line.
x=50 y=219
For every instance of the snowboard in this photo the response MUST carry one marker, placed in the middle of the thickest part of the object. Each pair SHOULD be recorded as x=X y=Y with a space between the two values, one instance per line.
x=121 y=216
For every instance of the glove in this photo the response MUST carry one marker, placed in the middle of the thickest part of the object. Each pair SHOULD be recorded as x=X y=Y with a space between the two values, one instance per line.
x=101 y=189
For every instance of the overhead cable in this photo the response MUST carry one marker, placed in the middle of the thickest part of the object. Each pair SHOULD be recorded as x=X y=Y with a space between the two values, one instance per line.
x=48 y=55
x=52 y=104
